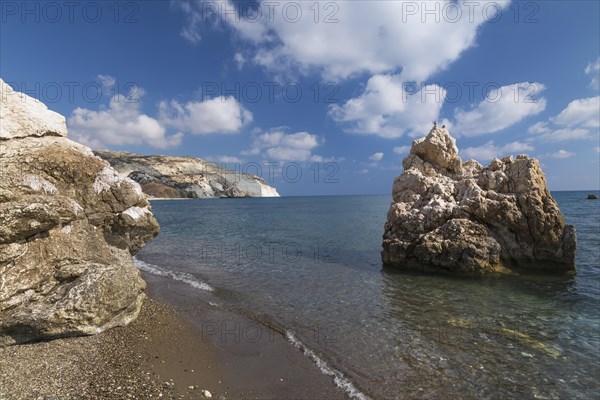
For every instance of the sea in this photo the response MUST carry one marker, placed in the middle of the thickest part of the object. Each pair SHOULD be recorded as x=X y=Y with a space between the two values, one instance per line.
x=311 y=268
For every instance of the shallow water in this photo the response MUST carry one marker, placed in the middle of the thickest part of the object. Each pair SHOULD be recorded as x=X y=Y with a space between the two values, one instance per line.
x=311 y=267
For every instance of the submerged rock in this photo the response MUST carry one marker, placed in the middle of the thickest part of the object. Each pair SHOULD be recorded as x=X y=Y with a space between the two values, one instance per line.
x=459 y=216
x=185 y=177
x=69 y=225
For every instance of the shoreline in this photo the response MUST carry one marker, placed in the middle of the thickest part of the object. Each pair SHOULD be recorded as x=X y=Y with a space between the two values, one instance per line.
x=175 y=349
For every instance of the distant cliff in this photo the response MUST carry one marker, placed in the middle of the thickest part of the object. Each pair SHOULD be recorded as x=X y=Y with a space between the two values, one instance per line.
x=185 y=177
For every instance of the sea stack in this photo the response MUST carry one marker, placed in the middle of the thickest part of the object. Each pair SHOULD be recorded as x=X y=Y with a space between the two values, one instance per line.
x=69 y=227
x=463 y=217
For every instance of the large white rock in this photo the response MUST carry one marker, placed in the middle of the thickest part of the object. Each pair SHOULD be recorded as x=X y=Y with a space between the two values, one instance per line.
x=23 y=116
x=68 y=227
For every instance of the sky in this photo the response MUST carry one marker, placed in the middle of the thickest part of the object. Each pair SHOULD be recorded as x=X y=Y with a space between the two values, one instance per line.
x=317 y=98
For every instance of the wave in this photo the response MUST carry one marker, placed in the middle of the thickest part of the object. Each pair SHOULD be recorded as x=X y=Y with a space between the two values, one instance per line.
x=340 y=380
x=178 y=276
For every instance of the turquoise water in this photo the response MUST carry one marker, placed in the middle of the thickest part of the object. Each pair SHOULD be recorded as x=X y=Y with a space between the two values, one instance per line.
x=311 y=267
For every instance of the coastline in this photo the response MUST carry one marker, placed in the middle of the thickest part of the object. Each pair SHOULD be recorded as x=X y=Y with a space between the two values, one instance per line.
x=171 y=351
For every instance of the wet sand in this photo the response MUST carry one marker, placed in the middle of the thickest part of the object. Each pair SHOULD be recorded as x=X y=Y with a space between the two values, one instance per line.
x=178 y=347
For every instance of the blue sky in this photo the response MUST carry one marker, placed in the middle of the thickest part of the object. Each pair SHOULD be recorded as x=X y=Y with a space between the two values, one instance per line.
x=334 y=90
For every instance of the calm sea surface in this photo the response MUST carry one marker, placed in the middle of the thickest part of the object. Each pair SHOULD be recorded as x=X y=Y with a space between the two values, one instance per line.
x=311 y=268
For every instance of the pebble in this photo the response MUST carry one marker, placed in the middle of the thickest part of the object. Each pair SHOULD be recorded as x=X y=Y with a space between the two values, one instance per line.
x=206 y=394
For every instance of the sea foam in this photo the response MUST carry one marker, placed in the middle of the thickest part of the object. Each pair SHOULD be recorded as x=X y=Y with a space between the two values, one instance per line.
x=178 y=276
x=340 y=380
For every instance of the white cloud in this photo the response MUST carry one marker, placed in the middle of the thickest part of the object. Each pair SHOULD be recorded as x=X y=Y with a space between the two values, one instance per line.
x=489 y=151
x=579 y=120
x=390 y=108
x=560 y=154
x=502 y=108
x=584 y=113
x=191 y=30
x=401 y=149
x=122 y=123
x=107 y=82
x=376 y=157
x=564 y=134
x=224 y=159
x=217 y=115
x=594 y=71
x=362 y=36
x=539 y=128
x=363 y=171
x=281 y=146
x=239 y=59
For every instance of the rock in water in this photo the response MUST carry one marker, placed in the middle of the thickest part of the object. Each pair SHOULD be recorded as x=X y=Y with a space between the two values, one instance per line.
x=69 y=225
x=455 y=216
x=592 y=196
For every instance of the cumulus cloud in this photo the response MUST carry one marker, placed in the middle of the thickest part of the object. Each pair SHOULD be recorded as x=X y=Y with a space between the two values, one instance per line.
x=122 y=123
x=389 y=108
x=281 y=146
x=593 y=70
x=217 y=115
x=560 y=154
x=503 y=107
x=489 y=151
x=362 y=36
x=579 y=120
x=376 y=157
x=584 y=113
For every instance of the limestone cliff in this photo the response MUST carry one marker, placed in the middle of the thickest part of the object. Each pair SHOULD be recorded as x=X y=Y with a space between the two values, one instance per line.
x=185 y=177
x=460 y=216
x=69 y=225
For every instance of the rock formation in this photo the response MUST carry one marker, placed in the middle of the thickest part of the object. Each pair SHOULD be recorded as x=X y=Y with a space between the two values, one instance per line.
x=69 y=225
x=185 y=177
x=455 y=216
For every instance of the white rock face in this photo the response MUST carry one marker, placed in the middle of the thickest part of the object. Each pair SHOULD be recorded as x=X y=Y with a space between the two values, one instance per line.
x=457 y=216
x=185 y=177
x=22 y=116
x=68 y=227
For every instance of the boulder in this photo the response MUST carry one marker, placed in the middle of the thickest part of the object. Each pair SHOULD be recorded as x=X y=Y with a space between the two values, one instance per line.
x=592 y=196
x=69 y=225
x=455 y=216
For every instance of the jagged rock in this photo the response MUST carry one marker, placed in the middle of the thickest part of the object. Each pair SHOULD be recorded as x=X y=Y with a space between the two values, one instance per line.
x=68 y=227
x=185 y=177
x=460 y=216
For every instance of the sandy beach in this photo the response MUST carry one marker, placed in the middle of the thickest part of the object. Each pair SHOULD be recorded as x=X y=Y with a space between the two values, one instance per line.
x=164 y=354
